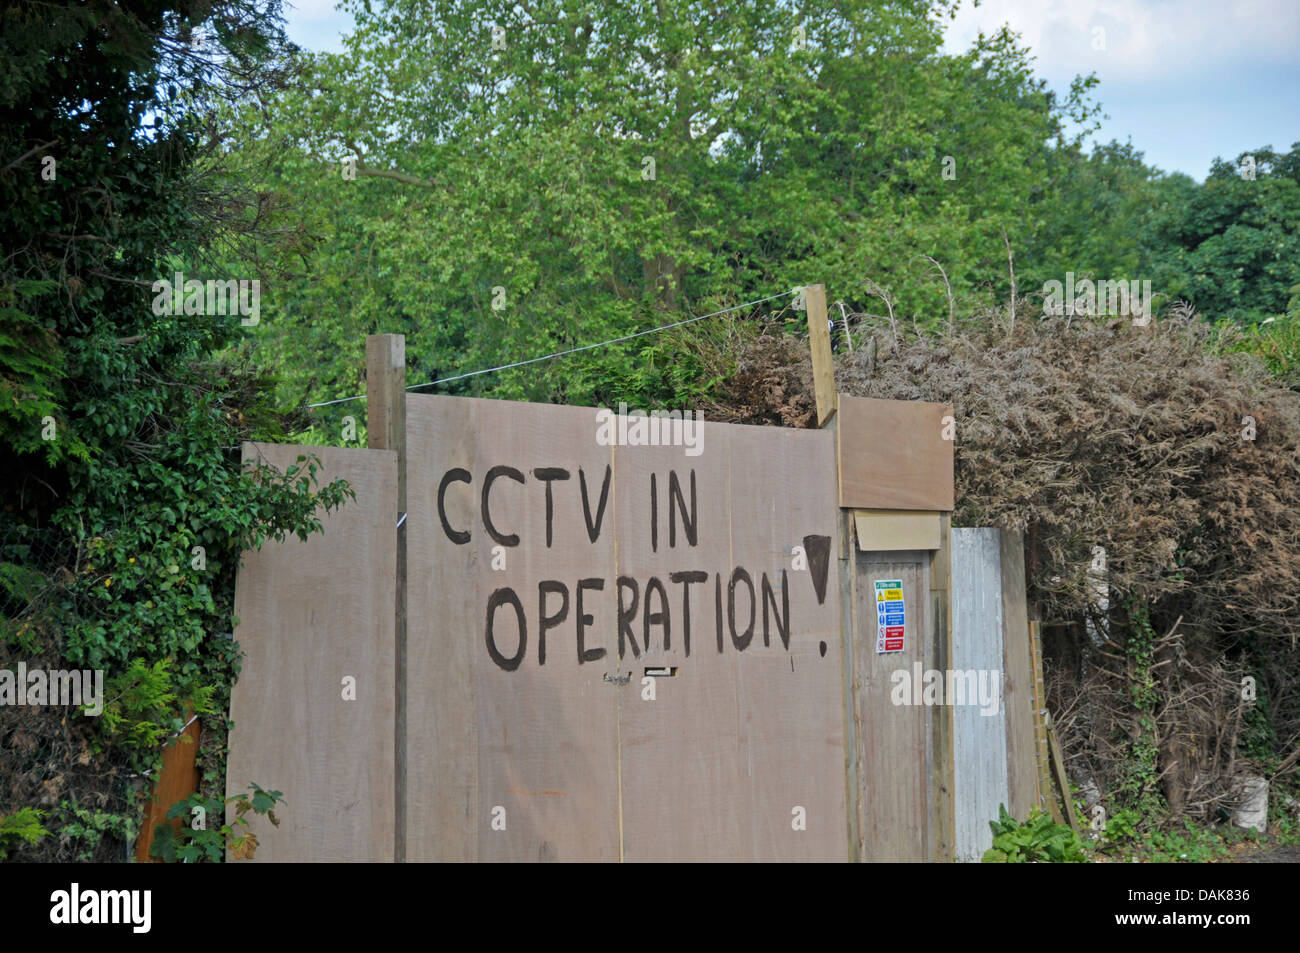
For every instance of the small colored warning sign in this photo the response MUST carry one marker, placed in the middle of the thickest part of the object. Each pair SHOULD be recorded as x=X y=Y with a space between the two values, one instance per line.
x=891 y=616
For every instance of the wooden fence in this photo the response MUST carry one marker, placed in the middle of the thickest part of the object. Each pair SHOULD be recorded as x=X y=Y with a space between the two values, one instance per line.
x=556 y=633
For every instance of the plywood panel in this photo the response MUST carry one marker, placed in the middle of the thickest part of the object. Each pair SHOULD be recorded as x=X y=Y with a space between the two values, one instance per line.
x=311 y=613
x=892 y=455
x=781 y=482
x=892 y=530
x=584 y=768
x=980 y=783
x=443 y=815
x=535 y=738
x=747 y=738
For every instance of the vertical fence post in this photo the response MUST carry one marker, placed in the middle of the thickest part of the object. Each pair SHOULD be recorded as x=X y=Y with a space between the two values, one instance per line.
x=819 y=343
x=1045 y=796
x=819 y=340
x=943 y=779
x=177 y=780
x=386 y=430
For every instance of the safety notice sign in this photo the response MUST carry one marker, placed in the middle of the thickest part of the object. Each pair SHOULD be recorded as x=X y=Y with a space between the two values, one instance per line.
x=891 y=617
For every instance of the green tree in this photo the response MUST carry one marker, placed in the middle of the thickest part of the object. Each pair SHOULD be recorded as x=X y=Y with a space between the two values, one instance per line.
x=1233 y=247
x=501 y=180
x=1100 y=215
x=123 y=509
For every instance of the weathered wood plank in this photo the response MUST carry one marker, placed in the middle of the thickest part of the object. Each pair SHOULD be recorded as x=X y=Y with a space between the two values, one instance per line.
x=1018 y=679
x=386 y=430
x=819 y=340
x=895 y=749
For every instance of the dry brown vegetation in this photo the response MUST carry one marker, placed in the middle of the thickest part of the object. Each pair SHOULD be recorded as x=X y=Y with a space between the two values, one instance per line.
x=1085 y=434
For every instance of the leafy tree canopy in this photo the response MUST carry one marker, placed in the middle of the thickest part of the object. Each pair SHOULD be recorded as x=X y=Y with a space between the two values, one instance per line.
x=501 y=180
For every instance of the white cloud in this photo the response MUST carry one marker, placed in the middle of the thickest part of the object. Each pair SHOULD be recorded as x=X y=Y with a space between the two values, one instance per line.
x=1143 y=39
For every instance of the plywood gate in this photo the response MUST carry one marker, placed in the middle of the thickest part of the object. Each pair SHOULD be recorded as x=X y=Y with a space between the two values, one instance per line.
x=563 y=749
x=549 y=699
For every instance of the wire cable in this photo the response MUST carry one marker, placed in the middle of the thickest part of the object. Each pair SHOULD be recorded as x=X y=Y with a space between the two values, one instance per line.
x=572 y=350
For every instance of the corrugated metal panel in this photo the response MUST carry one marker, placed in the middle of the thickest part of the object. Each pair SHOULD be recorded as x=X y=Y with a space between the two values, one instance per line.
x=980 y=782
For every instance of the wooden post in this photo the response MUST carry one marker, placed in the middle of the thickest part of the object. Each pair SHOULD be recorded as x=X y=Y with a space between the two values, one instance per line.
x=943 y=781
x=177 y=780
x=1062 y=779
x=847 y=562
x=386 y=430
x=819 y=340
x=1045 y=795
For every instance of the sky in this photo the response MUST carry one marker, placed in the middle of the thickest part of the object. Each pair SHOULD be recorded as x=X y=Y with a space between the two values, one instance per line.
x=1185 y=80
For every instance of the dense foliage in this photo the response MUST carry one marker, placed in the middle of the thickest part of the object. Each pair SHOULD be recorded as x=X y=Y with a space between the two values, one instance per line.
x=124 y=506
x=600 y=170
x=500 y=181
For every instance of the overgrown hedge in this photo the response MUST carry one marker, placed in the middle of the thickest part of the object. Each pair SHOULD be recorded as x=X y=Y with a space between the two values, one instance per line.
x=1149 y=452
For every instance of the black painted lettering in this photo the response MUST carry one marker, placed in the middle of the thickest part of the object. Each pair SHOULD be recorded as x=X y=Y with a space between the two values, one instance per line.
x=686 y=578
x=492 y=474
x=654 y=515
x=453 y=475
x=499 y=598
x=655 y=618
x=741 y=642
x=717 y=608
x=690 y=524
x=593 y=530
x=782 y=620
x=547 y=474
x=625 y=616
x=585 y=654
x=544 y=621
